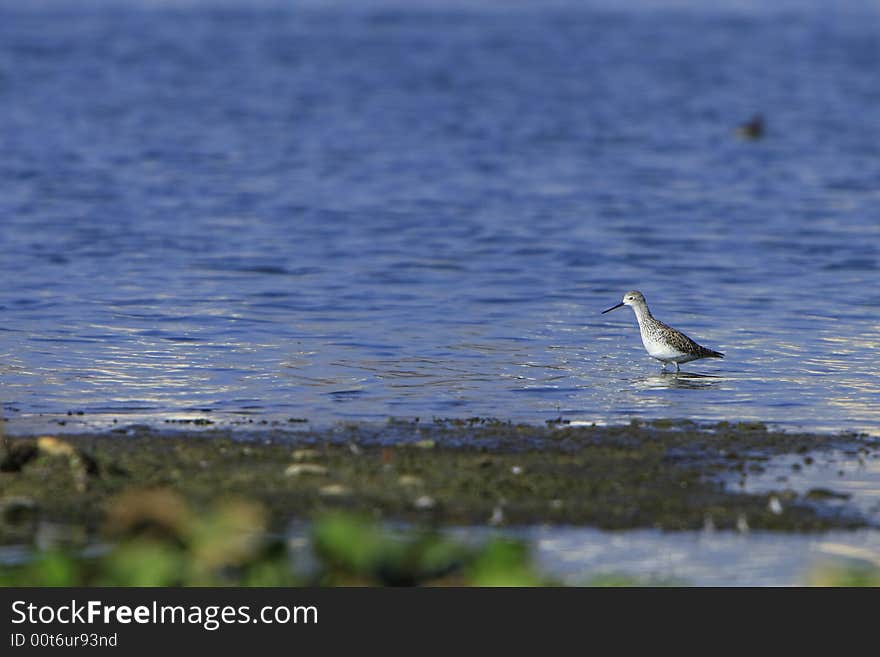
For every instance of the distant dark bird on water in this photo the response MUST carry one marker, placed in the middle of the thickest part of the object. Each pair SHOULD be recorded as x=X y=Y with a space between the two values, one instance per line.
x=753 y=128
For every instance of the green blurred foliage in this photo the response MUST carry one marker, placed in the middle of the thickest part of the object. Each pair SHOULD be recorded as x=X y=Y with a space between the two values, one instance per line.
x=503 y=563
x=859 y=574
x=156 y=539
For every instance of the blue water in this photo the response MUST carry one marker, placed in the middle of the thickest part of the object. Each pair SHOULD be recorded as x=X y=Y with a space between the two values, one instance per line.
x=355 y=210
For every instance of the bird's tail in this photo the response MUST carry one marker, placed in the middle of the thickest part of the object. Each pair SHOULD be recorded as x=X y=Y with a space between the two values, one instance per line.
x=715 y=354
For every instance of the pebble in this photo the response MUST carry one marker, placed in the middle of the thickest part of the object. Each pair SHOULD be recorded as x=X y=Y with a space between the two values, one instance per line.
x=297 y=469
x=424 y=502
x=304 y=454
x=334 y=490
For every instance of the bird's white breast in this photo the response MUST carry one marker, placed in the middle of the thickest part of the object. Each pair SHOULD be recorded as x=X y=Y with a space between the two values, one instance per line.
x=663 y=350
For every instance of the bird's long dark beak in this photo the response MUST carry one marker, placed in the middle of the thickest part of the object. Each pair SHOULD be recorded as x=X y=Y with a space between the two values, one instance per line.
x=612 y=308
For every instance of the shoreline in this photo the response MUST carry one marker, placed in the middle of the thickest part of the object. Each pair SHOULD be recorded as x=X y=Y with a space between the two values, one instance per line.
x=243 y=424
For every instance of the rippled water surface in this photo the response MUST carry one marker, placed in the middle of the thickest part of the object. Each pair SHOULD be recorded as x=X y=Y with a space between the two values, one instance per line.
x=366 y=210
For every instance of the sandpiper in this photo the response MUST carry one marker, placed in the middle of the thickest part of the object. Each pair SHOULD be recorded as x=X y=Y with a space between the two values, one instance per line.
x=663 y=342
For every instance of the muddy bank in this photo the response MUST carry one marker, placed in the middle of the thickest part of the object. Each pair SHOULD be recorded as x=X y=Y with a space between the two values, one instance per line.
x=663 y=475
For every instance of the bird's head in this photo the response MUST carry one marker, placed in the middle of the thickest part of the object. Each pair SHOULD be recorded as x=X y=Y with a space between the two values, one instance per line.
x=631 y=298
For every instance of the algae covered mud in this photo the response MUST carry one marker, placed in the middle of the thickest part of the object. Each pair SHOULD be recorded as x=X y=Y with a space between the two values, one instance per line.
x=462 y=478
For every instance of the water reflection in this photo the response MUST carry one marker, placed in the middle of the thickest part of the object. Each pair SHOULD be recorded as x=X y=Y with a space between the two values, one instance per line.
x=717 y=558
x=678 y=380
